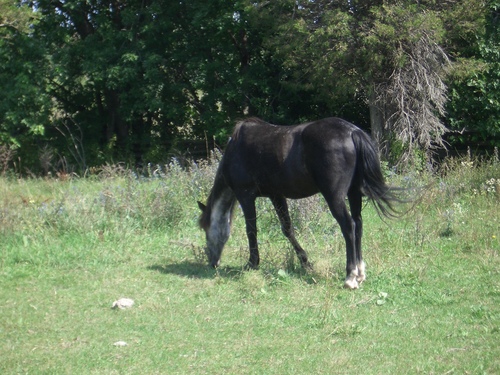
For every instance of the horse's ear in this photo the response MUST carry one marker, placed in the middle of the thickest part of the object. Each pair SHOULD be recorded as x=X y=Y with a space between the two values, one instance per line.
x=201 y=206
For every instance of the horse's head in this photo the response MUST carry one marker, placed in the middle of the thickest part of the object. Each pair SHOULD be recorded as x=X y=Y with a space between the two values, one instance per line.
x=217 y=226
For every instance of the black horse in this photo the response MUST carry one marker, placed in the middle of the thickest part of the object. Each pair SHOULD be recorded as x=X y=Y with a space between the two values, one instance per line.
x=330 y=156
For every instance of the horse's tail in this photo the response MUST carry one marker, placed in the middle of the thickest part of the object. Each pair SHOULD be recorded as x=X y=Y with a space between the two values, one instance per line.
x=369 y=175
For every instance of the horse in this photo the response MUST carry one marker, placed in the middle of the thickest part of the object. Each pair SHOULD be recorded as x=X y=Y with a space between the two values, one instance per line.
x=330 y=156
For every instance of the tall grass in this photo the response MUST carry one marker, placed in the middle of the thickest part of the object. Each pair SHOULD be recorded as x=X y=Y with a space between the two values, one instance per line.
x=71 y=247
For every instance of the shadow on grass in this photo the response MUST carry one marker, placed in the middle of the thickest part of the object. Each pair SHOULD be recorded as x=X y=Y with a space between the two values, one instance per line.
x=196 y=270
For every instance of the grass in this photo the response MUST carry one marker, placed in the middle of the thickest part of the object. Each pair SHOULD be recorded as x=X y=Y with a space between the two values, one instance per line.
x=430 y=305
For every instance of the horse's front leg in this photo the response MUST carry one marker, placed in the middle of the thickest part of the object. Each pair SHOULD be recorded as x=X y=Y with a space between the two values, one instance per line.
x=248 y=207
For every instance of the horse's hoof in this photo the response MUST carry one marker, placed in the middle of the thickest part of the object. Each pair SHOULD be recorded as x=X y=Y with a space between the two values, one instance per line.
x=361 y=272
x=308 y=266
x=360 y=278
x=216 y=264
x=351 y=283
x=249 y=266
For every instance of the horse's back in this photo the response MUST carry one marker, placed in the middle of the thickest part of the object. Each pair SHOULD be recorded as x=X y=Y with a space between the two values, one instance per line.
x=328 y=130
x=260 y=134
x=292 y=161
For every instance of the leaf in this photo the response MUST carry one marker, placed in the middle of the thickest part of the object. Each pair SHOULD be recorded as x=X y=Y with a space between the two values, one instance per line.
x=382 y=298
x=383 y=295
x=282 y=274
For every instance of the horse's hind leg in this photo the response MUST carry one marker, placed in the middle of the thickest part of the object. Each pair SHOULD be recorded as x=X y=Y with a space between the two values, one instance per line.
x=281 y=207
x=355 y=202
x=339 y=211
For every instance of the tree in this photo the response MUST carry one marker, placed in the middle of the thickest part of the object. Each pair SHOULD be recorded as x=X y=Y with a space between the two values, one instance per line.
x=133 y=77
x=109 y=81
x=386 y=52
x=99 y=59
x=24 y=103
x=408 y=96
x=475 y=88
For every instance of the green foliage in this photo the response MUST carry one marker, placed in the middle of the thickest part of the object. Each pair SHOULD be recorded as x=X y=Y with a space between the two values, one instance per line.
x=475 y=100
x=24 y=103
x=97 y=82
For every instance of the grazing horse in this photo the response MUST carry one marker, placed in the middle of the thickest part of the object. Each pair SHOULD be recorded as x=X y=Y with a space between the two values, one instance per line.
x=330 y=156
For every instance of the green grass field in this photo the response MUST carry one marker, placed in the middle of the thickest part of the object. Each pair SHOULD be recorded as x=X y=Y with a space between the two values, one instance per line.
x=430 y=304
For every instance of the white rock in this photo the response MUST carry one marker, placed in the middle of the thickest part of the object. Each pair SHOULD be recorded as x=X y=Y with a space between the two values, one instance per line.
x=120 y=343
x=123 y=303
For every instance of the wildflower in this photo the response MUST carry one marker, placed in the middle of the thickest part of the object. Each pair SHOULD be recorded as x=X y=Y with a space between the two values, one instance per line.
x=467 y=164
x=490 y=186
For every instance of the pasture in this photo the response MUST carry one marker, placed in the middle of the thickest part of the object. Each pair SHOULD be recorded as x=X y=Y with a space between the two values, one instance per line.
x=69 y=248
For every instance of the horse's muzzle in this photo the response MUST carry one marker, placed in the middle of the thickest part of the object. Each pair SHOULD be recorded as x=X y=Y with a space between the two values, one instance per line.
x=212 y=260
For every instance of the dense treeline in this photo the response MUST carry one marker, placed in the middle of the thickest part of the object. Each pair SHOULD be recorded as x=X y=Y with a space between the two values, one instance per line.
x=90 y=82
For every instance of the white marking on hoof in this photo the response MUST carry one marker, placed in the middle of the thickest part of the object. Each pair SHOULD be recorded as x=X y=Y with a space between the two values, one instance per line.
x=351 y=282
x=361 y=272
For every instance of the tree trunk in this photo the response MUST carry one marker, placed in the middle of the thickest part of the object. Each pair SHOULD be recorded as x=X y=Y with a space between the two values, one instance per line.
x=116 y=125
x=377 y=120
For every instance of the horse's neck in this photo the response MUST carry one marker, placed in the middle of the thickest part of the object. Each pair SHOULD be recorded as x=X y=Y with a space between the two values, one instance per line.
x=221 y=206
